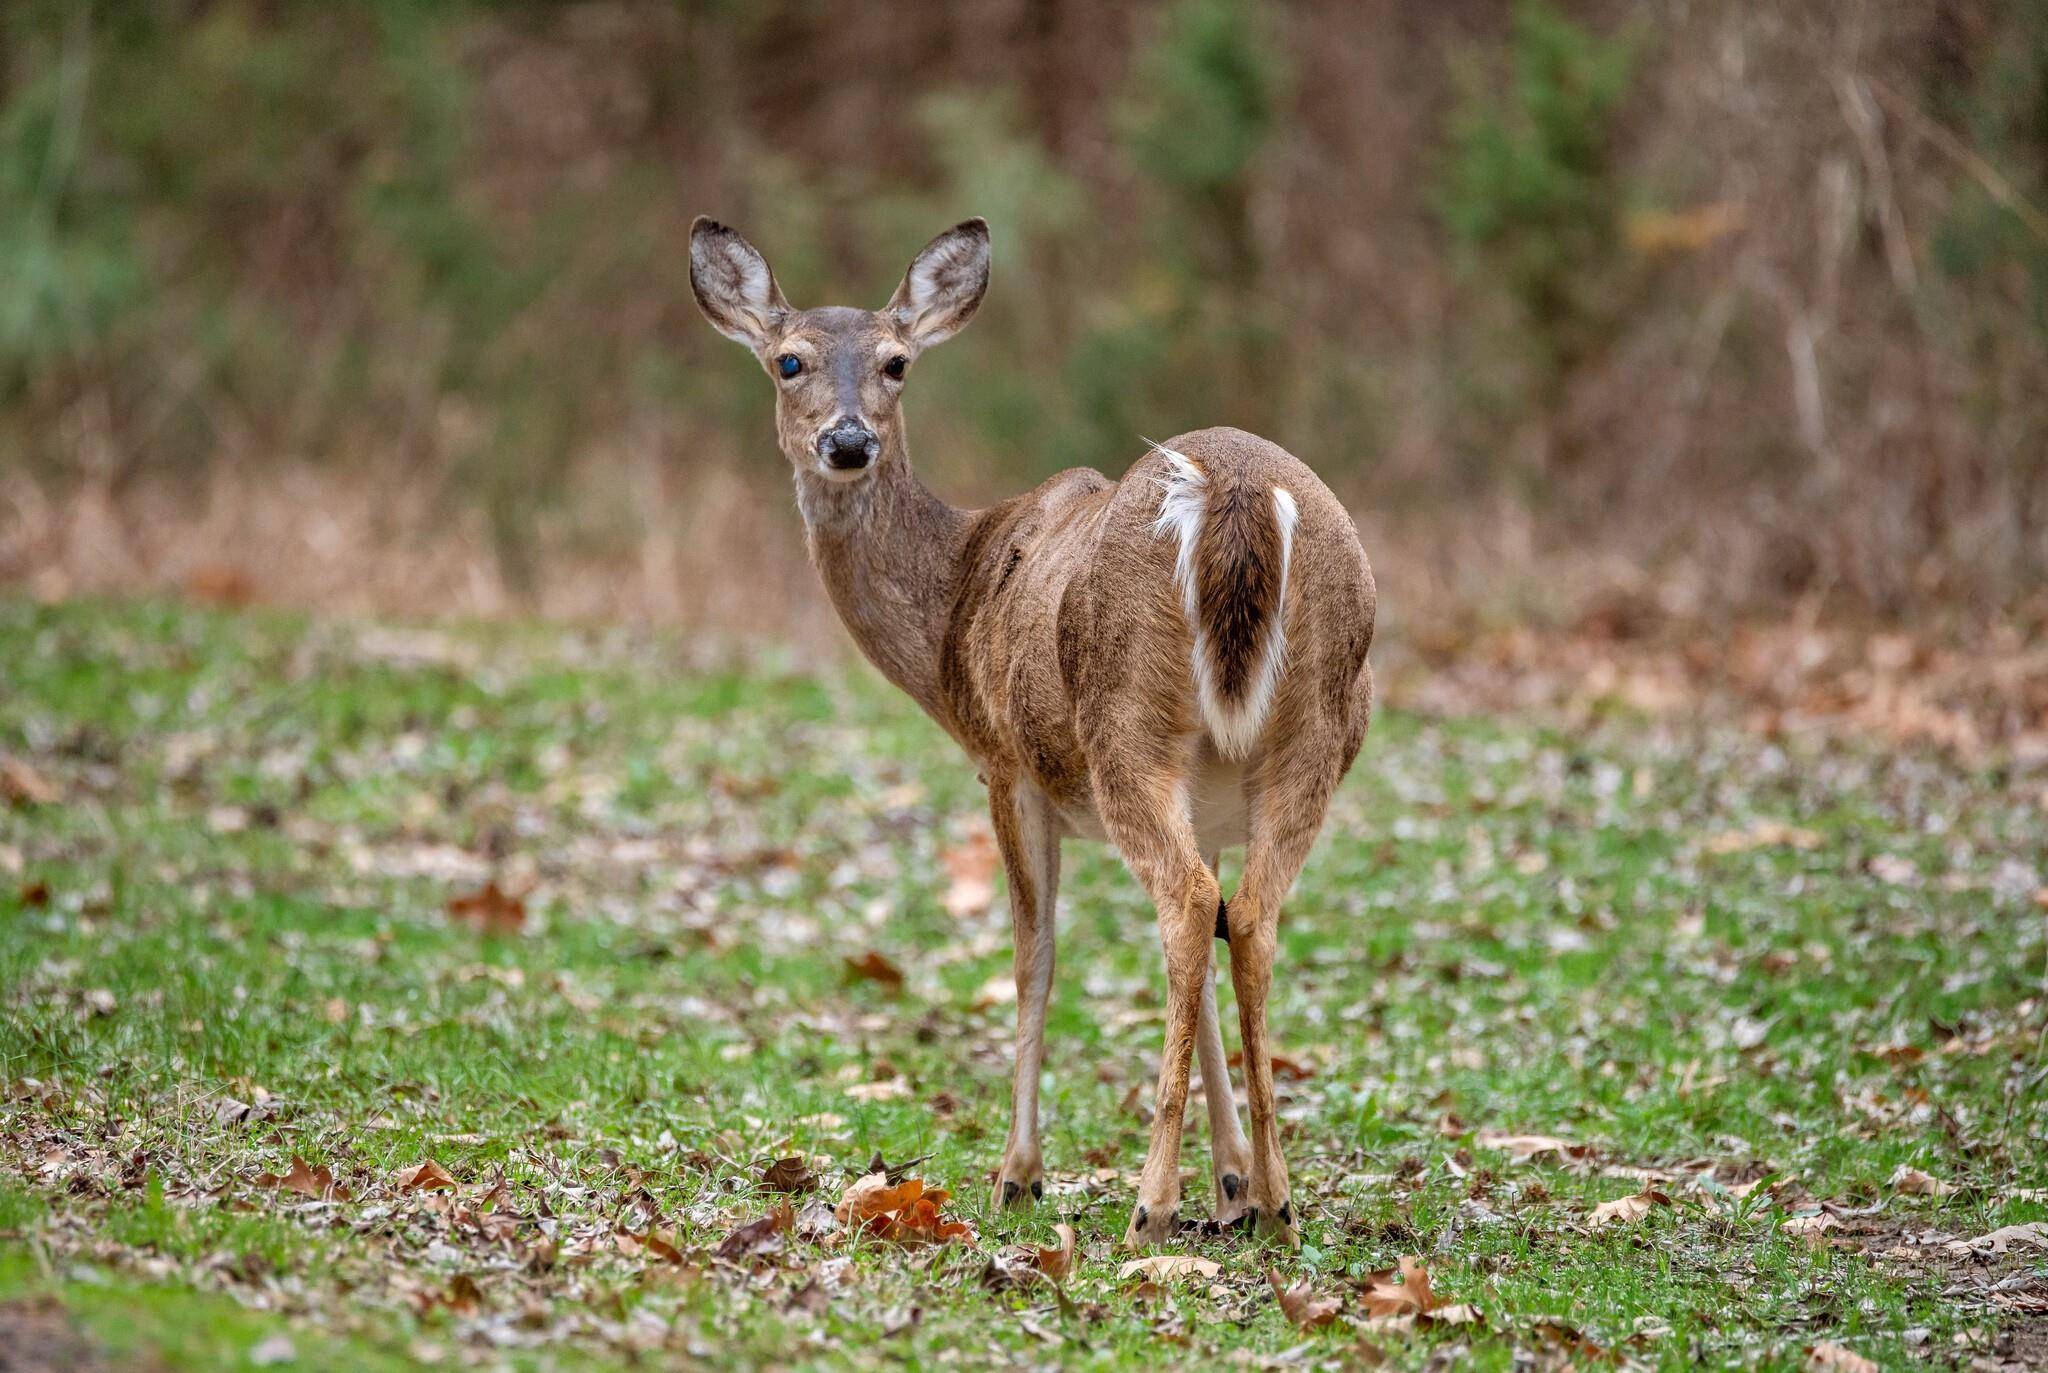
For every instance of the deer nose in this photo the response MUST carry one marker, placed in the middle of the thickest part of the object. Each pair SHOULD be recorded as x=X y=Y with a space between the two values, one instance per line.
x=849 y=445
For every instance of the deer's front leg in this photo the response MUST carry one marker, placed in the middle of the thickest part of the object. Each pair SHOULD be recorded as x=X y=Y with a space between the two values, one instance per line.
x=1028 y=837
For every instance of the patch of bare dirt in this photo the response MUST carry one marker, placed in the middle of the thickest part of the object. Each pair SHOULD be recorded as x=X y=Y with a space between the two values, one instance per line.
x=37 y=1336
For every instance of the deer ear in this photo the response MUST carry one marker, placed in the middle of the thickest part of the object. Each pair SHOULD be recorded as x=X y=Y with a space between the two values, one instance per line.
x=944 y=285
x=733 y=285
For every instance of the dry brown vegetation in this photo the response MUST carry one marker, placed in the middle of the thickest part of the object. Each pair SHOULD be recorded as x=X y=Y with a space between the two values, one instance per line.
x=1620 y=315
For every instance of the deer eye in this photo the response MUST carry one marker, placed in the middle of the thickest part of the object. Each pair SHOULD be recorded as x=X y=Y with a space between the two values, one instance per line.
x=788 y=365
x=894 y=368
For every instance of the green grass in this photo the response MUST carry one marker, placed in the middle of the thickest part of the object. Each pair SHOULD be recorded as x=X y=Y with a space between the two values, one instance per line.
x=1507 y=929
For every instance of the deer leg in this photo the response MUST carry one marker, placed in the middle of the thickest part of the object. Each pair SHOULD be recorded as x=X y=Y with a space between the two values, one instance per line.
x=1147 y=818
x=1030 y=846
x=1293 y=795
x=1231 y=1153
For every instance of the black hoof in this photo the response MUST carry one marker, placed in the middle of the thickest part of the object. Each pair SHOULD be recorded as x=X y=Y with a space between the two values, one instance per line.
x=1138 y=1221
x=1038 y=1191
x=1247 y=1222
x=1286 y=1213
x=1010 y=1192
x=1232 y=1185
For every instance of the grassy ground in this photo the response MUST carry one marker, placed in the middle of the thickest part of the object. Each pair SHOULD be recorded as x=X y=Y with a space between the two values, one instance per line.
x=1758 y=979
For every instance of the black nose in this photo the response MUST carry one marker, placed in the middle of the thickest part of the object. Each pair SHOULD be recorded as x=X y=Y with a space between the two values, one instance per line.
x=849 y=445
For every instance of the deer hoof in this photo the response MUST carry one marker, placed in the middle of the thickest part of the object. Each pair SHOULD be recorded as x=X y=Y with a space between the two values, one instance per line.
x=1273 y=1225
x=1151 y=1225
x=1231 y=1201
x=1015 y=1193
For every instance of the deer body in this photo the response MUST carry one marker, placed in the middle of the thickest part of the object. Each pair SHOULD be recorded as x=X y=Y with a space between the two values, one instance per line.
x=1174 y=662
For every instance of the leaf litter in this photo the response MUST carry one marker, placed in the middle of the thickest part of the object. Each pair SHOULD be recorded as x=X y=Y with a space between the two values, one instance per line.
x=566 y=1226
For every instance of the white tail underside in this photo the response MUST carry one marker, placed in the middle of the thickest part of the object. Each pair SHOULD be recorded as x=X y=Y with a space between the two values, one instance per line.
x=1234 y=725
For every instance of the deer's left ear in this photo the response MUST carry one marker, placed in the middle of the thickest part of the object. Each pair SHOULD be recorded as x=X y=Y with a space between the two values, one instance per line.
x=733 y=285
x=944 y=285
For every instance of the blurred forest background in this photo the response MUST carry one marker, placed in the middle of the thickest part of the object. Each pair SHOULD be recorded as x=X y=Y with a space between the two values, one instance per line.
x=1640 y=312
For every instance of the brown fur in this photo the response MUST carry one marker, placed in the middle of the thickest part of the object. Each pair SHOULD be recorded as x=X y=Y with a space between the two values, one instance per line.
x=1237 y=577
x=1048 y=636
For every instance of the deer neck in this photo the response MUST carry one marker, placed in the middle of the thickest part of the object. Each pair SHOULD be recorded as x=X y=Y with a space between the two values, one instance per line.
x=889 y=552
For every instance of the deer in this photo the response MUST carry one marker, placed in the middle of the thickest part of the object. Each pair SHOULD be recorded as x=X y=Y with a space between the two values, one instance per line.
x=1174 y=662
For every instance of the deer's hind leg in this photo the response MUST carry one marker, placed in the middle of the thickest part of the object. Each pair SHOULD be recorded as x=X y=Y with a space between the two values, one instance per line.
x=1228 y=1148
x=1292 y=788
x=1143 y=805
x=1028 y=837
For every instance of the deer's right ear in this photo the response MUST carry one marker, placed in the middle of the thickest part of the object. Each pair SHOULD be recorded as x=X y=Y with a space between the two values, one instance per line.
x=733 y=285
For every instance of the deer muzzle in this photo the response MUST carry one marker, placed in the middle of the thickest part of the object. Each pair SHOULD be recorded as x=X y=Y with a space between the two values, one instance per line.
x=849 y=446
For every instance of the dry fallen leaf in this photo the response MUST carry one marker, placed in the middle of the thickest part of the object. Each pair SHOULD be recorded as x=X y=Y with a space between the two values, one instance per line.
x=1628 y=1208
x=791 y=1175
x=22 y=785
x=306 y=1181
x=1025 y=1266
x=1898 y=1055
x=888 y=1089
x=1530 y=1146
x=874 y=967
x=1812 y=1229
x=1168 y=1268
x=1828 y=1357
x=661 y=1243
x=428 y=1177
x=1463 y=1313
x=2034 y=1234
x=1301 y=1305
x=756 y=1237
x=489 y=910
x=1056 y=1263
x=1914 y=1183
x=816 y=1222
x=463 y=1296
x=906 y=1212
x=1573 y=1342
x=1402 y=1291
x=493 y=1226
x=970 y=869
x=1892 y=869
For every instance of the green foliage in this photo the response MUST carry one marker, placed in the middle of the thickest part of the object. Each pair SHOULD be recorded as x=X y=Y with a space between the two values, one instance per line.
x=1984 y=234
x=1529 y=187
x=70 y=267
x=1205 y=96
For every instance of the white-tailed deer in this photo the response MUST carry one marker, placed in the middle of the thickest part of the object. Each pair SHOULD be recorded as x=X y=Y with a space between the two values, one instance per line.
x=1175 y=661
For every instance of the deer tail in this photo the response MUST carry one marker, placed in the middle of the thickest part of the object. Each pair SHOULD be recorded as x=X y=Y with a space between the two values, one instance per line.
x=1236 y=539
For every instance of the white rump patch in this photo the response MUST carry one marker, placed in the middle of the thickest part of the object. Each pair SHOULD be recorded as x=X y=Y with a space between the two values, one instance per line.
x=1235 y=726
x=1180 y=514
x=1251 y=717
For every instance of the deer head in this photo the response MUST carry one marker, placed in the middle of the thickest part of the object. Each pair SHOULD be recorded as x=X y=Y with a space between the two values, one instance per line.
x=839 y=372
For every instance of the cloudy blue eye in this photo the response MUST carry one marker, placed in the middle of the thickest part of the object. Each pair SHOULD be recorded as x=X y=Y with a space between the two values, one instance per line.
x=788 y=365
